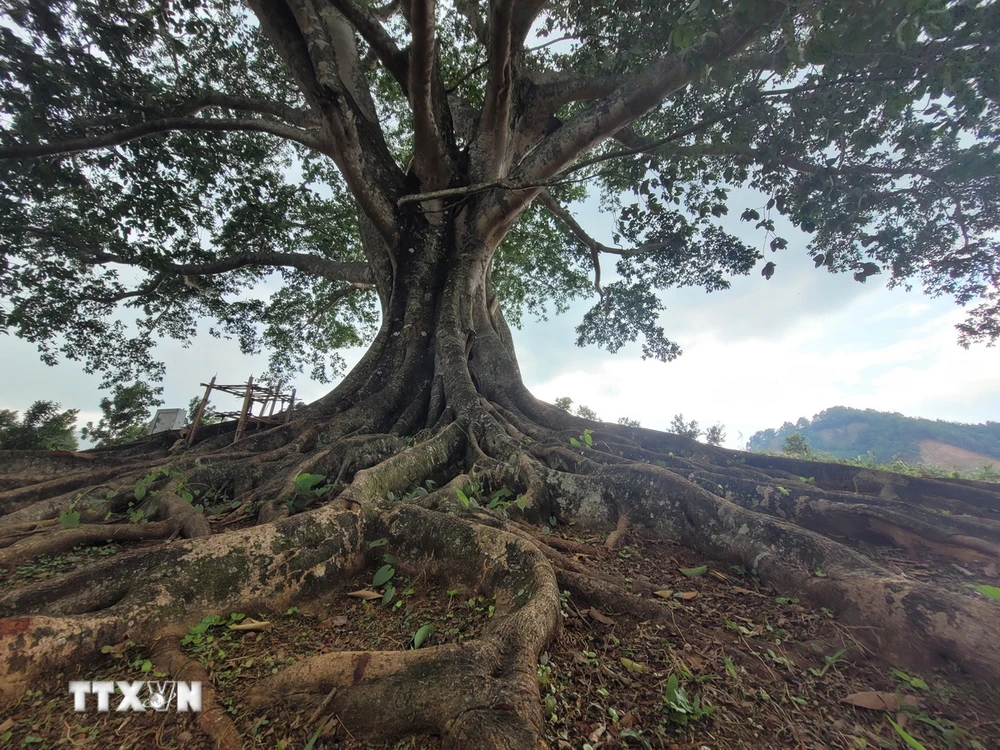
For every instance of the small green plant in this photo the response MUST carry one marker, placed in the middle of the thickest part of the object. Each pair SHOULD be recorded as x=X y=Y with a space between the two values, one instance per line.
x=306 y=488
x=135 y=514
x=70 y=518
x=199 y=635
x=910 y=680
x=907 y=737
x=422 y=634
x=830 y=661
x=991 y=592
x=586 y=439
x=680 y=707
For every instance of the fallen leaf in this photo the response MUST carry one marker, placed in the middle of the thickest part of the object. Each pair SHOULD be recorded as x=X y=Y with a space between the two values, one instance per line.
x=719 y=576
x=367 y=594
x=596 y=734
x=879 y=701
x=339 y=621
x=686 y=595
x=252 y=625
x=664 y=594
x=6 y=724
x=116 y=649
x=601 y=618
x=695 y=572
x=634 y=666
x=741 y=590
x=628 y=720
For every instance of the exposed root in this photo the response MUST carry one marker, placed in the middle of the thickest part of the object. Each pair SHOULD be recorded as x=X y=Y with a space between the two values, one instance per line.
x=63 y=540
x=213 y=719
x=481 y=693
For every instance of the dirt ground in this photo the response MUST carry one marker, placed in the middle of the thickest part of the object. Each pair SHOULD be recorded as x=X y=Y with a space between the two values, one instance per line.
x=732 y=665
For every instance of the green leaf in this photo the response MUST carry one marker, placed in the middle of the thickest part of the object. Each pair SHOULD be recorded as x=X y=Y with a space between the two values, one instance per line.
x=907 y=738
x=390 y=591
x=730 y=667
x=993 y=592
x=315 y=736
x=186 y=496
x=422 y=635
x=69 y=519
x=306 y=482
x=462 y=497
x=378 y=543
x=695 y=572
x=588 y=438
x=574 y=441
x=388 y=558
x=382 y=575
x=140 y=491
x=521 y=502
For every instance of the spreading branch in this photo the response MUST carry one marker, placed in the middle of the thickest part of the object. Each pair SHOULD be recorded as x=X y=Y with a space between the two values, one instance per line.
x=368 y=25
x=430 y=156
x=309 y=139
x=299 y=116
x=607 y=116
x=489 y=150
x=352 y=272
x=596 y=247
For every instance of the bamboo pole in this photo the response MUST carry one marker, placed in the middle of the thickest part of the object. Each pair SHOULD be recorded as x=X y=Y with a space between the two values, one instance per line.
x=241 y=426
x=200 y=411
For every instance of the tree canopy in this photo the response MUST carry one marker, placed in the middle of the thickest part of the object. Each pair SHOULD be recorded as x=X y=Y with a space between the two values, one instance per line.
x=176 y=168
x=42 y=427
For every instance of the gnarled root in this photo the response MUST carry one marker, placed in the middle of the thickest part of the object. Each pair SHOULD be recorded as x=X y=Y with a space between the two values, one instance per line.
x=483 y=693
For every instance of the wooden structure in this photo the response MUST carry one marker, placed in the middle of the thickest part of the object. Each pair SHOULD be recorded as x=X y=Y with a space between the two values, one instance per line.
x=269 y=398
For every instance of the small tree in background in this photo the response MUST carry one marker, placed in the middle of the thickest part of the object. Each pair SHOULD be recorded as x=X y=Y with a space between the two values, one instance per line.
x=566 y=404
x=43 y=427
x=686 y=429
x=626 y=422
x=125 y=415
x=796 y=444
x=716 y=434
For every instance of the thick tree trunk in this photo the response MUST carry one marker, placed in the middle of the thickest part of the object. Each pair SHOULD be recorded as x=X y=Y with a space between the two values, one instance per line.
x=439 y=396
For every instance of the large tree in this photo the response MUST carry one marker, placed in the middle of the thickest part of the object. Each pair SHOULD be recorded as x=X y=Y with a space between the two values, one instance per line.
x=310 y=174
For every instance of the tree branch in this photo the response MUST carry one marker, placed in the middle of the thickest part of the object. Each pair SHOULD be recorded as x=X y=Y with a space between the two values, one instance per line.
x=563 y=214
x=164 y=125
x=368 y=25
x=556 y=89
x=524 y=15
x=469 y=9
x=489 y=151
x=353 y=272
x=430 y=156
x=360 y=151
x=629 y=102
x=570 y=221
x=300 y=117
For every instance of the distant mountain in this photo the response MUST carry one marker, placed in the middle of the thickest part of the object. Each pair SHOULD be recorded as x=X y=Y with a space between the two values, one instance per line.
x=848 y=433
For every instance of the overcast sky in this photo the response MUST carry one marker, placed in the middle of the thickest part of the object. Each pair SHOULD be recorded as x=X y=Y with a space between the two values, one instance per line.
x=754 y=356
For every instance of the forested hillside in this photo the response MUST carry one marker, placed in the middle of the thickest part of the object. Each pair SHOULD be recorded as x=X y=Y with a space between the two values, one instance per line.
x=847 y=433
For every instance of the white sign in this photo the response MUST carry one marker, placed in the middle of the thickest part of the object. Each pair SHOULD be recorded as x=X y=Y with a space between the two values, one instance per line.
x=137 y=696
